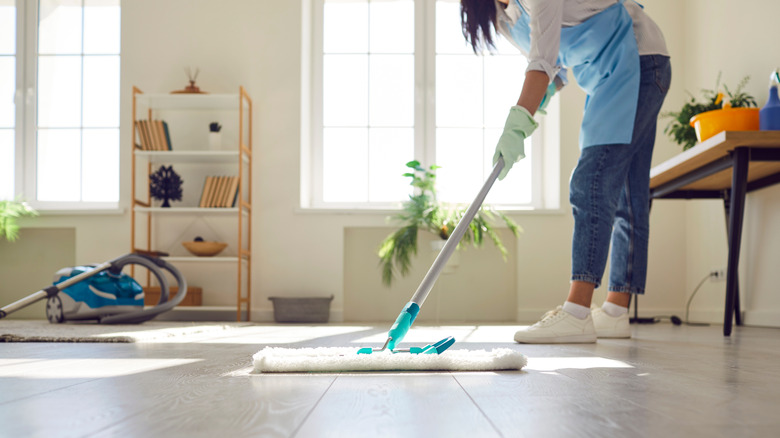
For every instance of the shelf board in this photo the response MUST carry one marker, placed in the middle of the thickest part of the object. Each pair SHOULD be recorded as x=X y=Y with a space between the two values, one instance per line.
x=189 y=101
x=187 y=259
x=189 y=156
x=187 y=210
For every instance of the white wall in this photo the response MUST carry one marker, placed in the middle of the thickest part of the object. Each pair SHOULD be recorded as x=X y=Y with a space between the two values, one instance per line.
x=257 y=43
x=737 y=39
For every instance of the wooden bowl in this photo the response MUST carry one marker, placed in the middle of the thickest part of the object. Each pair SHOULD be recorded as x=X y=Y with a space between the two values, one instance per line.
x=204 y=249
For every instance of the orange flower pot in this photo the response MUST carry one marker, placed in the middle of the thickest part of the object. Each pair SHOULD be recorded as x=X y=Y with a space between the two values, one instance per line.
x=710 y=123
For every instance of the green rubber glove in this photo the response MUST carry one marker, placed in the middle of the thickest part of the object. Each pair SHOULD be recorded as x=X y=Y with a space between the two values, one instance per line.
x=548 y=95
x=519 y=126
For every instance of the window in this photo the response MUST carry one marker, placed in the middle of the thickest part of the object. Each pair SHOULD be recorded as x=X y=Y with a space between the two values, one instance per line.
x=7 y=92
x=394 y=80
x=64 y=139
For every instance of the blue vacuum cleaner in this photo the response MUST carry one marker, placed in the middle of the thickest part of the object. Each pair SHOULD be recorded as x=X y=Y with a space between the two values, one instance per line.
x=103 y=293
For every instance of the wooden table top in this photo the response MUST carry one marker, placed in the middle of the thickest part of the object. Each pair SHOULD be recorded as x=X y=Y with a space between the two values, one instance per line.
x=713 y=149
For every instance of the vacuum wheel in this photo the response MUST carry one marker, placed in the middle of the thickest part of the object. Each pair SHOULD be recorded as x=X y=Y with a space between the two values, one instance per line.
x=54 y=312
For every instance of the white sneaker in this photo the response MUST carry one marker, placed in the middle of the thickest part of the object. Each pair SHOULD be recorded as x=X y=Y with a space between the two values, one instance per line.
x=610 y=326
x=558 y=327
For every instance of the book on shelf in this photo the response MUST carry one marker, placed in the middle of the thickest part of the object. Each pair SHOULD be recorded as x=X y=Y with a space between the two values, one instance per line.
x=158 y=135
x=150 y=140
x=233 y=193
x=214 y=190
x=219 y=192
x=206 y=189
x=140 y=143
x=153 y=135
x=225 y=199
x=143 y=141
x=167 y=135
x=220 y=181
x=211 y=194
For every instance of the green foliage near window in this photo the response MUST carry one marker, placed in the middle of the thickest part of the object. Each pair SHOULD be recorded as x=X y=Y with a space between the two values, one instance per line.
x=680 y=129
x=10 y=211
x=424 y=212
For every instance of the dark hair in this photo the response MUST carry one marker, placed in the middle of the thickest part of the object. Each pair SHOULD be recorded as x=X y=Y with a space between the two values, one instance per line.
x=478 y=20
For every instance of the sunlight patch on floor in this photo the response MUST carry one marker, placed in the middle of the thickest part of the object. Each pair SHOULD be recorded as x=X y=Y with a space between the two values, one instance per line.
x=577 y=363
x=83 y=368
x=493 y=333
x=284 y=334
x=461 y=333
x=423 y=334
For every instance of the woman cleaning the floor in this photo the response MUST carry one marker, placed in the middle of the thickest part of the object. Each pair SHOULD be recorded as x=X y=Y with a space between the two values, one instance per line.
x=618 y=56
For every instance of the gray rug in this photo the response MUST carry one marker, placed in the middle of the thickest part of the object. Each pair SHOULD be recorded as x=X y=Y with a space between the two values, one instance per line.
x=150 y=331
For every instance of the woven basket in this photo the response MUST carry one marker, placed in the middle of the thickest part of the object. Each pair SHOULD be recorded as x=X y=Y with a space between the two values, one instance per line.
x=313 y=309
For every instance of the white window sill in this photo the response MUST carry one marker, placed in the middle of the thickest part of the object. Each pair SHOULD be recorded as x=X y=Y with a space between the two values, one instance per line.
x=367 y=211
x=70 y=211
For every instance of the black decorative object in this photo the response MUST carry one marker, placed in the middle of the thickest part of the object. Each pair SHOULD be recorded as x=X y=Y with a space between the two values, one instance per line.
x=215 y=127
x=165 y=185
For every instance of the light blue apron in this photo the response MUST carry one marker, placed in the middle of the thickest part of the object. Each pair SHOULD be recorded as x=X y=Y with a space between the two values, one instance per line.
x=603 y=56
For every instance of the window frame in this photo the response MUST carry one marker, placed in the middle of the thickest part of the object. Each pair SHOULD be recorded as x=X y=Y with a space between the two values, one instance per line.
x=20 y=96
x=544 y=161
x=26 y=123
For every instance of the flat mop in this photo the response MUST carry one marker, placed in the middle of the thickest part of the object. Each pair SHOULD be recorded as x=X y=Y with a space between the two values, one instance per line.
x=388 y=357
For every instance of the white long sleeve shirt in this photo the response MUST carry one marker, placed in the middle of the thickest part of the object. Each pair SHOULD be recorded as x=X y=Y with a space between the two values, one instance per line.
x=547 y=17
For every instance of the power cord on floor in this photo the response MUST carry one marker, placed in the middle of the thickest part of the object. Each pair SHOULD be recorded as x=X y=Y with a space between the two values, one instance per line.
x=676 y=319
x=688 y=305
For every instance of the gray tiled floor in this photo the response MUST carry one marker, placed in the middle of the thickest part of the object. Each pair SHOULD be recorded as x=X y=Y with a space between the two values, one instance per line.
x=666 y=381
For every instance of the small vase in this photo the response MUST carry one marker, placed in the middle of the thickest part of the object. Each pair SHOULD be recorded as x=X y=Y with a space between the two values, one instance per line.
x=215 y=140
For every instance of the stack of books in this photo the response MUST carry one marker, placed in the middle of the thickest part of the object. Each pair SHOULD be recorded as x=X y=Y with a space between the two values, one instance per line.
x=219 y=191
x=153 y=135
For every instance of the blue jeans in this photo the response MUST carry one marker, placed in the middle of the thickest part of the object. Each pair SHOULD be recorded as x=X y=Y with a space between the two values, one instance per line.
x=610 y=194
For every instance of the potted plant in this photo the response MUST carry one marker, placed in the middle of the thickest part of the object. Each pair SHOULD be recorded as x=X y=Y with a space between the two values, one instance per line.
x=165 y=185
x=215 y=137
x=423 y=212
x=10 y=211
x=680 y=129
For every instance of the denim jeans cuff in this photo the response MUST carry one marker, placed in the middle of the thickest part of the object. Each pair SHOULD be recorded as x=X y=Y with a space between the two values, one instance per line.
x=587 y=278
x=627 y=289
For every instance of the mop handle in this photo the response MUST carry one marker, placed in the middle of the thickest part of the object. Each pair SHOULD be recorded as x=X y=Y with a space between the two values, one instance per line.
x=452 y=242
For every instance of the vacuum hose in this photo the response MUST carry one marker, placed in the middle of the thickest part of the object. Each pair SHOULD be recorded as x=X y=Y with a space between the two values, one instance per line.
x=154 y=265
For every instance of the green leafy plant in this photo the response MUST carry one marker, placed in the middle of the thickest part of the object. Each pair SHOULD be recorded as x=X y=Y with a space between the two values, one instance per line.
x=10 y=211
x=680 y=130
x=424 y=212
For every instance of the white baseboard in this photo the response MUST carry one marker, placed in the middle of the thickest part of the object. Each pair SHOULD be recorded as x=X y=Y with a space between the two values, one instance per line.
x=711 y=316
x=762 y=318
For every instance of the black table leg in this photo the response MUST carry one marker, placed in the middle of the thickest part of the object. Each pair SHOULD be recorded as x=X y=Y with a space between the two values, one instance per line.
x=741 y=157
x=727 y=207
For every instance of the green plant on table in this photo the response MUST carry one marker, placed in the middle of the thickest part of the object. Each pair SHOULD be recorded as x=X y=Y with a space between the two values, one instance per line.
x=10 y=211
x=424 y=212
x=680 y=129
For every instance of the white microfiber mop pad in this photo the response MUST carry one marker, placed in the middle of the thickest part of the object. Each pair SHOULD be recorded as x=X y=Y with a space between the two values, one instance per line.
x=280 y=360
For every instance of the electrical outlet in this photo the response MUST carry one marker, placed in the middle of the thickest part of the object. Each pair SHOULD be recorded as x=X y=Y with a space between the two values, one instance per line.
x=718 y=274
